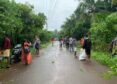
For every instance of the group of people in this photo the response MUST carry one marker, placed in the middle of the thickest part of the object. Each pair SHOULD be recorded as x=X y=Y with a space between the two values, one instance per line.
x=26 y=54
x=71 y=45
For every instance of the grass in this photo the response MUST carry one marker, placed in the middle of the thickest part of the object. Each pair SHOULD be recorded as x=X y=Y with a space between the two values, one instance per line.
x=45 y=45
x=102 y=57
x=3 y=63
x=106 y=59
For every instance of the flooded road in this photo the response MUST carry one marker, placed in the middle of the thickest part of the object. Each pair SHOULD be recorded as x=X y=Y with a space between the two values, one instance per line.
x=55 y=66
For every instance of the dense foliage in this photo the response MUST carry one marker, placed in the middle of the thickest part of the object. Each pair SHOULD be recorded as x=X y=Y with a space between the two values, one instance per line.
x=95 y=16
x=20 y=22
x=104 y=31
x=99 y=19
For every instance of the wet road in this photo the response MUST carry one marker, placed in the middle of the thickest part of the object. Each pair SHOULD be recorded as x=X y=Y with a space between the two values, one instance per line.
x=55 y=66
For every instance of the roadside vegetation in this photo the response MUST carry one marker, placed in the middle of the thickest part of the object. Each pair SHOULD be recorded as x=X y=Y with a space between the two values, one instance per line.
x=20 y=22
x=106 y=59
x=99 y=19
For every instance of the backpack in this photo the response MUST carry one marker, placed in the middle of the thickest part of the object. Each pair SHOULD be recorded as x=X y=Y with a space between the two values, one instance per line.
x=37 y=45
x=26 y=50
x=87 y=43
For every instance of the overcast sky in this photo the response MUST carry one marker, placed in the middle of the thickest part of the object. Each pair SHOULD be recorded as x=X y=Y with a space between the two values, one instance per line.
x=56 y=10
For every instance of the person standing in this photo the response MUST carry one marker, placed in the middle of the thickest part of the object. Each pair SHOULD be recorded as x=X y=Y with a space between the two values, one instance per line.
x=71 y=44
x=6 y=49
x=37 y=45
x=66 y=42
x=60 y=43
x=75 y=47
x=87 y=46
x=25 y=51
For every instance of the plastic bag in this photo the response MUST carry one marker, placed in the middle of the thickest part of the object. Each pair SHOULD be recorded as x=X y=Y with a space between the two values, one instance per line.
x=82 y=55
x=75 y=49
x=29 y=58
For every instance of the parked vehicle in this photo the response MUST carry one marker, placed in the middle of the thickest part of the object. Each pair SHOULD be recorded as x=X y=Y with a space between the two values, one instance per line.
x=16 y=54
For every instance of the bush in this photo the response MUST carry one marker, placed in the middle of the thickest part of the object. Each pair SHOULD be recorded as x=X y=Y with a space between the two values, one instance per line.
x=106 y=59
x=104 y=32
x=3 y=63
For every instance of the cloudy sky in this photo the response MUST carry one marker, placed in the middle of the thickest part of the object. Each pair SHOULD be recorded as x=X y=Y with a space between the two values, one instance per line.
x=56 y=10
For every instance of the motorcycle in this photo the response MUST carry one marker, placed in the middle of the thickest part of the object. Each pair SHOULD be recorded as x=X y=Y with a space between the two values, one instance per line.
x=16 y=54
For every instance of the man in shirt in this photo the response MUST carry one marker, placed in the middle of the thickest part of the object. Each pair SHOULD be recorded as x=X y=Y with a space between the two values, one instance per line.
x=87 y=46
x=71 y=44
x=6 y=48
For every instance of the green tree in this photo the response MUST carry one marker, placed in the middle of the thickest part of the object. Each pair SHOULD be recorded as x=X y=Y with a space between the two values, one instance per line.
x=19 y=21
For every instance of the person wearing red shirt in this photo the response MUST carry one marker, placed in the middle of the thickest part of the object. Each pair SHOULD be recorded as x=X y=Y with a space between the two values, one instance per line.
x=6 y=48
